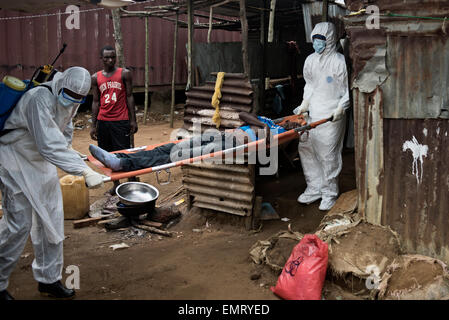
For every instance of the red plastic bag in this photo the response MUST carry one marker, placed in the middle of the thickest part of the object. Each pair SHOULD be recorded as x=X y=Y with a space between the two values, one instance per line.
x=303 y=275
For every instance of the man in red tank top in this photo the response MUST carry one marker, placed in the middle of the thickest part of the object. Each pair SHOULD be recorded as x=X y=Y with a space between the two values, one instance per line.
x=113 y=110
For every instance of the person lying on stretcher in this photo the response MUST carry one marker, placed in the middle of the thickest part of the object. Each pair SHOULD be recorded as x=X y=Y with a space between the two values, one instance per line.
x=210 y=141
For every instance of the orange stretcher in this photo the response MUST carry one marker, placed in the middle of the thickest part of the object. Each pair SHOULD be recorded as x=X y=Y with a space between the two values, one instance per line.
x=252 y=146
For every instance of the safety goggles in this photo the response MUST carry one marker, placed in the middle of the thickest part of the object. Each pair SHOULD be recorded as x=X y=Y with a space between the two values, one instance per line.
x=319 y=36
x=68 y=97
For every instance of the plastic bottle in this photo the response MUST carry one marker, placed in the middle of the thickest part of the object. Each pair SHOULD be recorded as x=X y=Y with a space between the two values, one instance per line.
x=75 y=196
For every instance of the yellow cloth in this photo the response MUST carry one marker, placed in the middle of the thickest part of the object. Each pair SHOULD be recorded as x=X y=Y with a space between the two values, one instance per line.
x=216 y=98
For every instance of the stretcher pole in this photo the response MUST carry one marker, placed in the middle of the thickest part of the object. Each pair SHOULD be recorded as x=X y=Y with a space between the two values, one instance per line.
x=252 y=145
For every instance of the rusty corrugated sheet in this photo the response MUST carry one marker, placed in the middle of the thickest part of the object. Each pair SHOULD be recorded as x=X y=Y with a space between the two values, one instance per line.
x=419 y=68
x=224 y=188
x=369 y=153
x=416 y=184
x=27 y=43
x=237 y=95
x=394 y=189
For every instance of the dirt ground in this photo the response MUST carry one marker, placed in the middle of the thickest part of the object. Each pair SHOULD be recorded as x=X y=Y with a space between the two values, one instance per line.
x=212 y=264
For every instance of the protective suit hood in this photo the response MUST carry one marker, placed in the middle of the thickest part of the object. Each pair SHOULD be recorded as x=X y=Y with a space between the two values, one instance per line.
x=76 y=79
x=328 y=30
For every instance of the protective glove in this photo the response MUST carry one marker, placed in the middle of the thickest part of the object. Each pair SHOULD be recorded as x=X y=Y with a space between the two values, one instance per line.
x=302 y=108
x=338 y=114
x=82 y=156
x=93 y=179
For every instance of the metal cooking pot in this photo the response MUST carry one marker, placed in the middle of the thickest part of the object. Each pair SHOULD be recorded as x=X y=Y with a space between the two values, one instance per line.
x=137 y=194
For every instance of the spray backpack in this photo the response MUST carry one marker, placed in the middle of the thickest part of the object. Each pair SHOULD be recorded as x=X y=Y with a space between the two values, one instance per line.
x=11 y=90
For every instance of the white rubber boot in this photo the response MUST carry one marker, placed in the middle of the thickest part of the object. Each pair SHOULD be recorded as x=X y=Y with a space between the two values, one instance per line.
x=307 y=197
x=327 y=204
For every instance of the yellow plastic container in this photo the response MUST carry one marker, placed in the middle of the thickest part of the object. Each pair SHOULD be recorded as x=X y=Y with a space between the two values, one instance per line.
x=75 y=196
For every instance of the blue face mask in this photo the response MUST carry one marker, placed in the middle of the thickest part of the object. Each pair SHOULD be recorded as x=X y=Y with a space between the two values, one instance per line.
x=65 y=102
x=319 y=45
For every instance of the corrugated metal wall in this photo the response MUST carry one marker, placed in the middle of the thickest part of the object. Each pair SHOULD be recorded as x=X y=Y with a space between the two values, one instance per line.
x=224 y=188
x=420 y=68
x=27 y=43
x=401 y=148
x=237 y=95
x=416 y=184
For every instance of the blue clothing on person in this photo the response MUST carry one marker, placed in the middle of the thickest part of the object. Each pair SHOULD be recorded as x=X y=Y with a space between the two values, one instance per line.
x=274 y=128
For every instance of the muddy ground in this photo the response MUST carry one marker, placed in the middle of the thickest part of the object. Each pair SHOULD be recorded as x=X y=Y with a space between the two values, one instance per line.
x=212 y=264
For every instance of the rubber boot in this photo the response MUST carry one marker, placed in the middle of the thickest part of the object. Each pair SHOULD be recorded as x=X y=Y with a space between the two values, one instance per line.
x=56 y=290
x=4 y=295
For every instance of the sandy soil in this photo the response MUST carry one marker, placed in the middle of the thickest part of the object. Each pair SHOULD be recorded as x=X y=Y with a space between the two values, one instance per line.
x=213 y=264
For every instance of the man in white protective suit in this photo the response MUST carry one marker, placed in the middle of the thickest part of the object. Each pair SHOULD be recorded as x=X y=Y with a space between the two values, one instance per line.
x=38 y=140
x=326 y=95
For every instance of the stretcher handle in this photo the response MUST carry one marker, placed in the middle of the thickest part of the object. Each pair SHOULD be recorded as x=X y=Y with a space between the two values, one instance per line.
x=164 y=182
x=313 y=124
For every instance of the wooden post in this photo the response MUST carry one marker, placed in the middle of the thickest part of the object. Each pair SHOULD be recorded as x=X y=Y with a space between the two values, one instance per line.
x=244 y=23
x=146 y=71
x=209 y=31
x=261 y=100
x=190 y=44
x=118 y=37
x=175 y=42
x=325 y=10
x=271 y=23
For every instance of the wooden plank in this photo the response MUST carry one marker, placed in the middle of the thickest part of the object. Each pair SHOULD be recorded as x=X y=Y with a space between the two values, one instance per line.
x=244 y=23
x=151 y=223
x=85 y=222
x=175 y=41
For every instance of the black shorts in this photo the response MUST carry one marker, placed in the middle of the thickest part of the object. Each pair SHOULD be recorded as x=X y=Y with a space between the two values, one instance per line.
x=113 y=135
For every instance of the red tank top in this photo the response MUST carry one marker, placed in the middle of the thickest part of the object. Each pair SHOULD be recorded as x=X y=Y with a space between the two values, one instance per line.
x=113 y=105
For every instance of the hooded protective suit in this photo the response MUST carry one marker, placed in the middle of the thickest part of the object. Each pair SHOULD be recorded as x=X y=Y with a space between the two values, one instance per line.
x=29 y=183
x=326 y=94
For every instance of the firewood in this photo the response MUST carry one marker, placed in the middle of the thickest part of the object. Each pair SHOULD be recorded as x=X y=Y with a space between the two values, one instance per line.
x=153 y=230
x=85 y=222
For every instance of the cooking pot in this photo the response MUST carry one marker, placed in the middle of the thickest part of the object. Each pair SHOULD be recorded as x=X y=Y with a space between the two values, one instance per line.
x=137 y=194
x=134 y=211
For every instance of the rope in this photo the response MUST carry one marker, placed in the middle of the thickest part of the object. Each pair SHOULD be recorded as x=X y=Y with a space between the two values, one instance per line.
x=389 y=14
x=61 y=13
x=216 y=99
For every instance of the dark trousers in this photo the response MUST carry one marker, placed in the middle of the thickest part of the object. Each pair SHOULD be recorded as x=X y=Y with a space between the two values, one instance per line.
x=113 y=135
x=145 y=159
x=171 y=152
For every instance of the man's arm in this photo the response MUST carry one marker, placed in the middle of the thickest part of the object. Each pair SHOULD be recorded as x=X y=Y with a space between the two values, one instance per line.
x=251 y=119
x=128 y=81
x=95 y=106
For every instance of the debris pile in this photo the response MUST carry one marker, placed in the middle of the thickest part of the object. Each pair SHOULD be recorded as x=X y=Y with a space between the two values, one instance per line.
x=365 y=260
x=275 y=251
x=415 y=277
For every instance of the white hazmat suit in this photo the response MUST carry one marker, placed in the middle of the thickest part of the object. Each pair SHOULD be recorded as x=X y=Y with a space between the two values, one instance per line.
x=31 y=194
x=326 y=94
